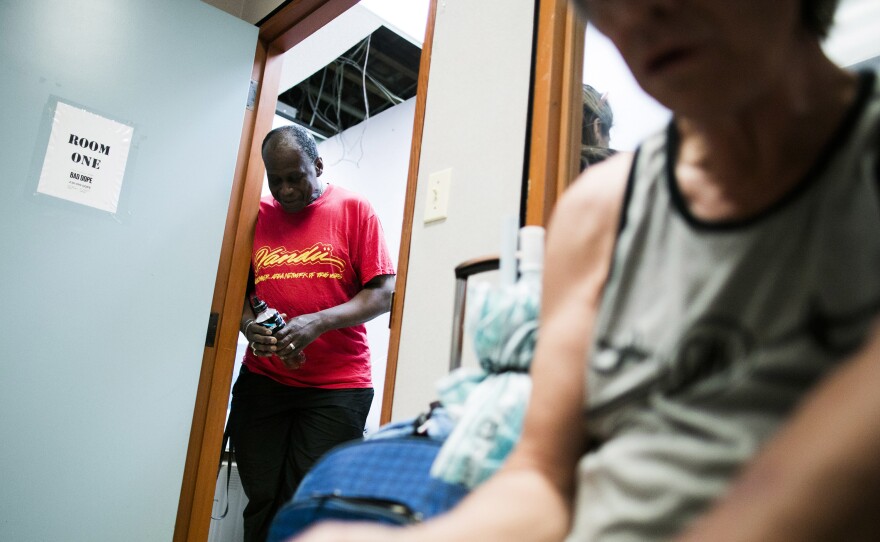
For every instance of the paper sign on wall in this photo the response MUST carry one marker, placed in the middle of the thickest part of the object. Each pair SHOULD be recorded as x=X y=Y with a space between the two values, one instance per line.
x=85 y=159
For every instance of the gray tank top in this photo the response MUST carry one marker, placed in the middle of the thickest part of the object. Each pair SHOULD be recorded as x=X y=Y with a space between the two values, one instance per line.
x=709 y=333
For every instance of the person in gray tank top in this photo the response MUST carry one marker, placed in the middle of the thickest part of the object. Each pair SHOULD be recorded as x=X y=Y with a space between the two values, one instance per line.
x=708 y=359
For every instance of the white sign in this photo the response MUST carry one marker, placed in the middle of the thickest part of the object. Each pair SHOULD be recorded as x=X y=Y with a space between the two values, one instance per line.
x=85 y=159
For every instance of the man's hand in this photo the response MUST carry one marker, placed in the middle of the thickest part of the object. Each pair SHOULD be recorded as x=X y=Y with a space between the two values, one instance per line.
x=293 y=357
x=264 y=343
x=294 y=336
x=260 y=340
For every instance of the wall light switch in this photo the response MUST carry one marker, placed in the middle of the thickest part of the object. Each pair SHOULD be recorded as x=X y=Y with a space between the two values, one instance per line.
x=437 y=200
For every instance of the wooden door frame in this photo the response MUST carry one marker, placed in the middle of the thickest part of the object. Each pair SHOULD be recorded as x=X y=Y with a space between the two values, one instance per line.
x=557 y=117
x=409 y=206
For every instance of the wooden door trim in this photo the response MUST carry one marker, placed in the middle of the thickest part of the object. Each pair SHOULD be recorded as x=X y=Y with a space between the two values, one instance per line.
x=408 y=214
x=556 y=110
x=296 y=21
x=286 y=28
x=571 y=116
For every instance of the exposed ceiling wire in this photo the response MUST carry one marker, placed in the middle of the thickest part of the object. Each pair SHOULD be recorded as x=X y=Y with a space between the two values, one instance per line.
x=393 y=98
x=320 y=92
x=351 y=60
x=357 y=86
x=340 y=79
x=321 y=116
x=364 y=79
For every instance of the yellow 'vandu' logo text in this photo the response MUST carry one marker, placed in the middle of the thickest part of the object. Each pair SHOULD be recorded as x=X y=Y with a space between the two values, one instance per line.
x=316 y=254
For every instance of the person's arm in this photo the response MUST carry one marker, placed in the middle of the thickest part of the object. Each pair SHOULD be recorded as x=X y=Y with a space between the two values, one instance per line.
x=247 y=312
x=530 y=498
x=373 y=299
x=259 y=338
x=819 y=478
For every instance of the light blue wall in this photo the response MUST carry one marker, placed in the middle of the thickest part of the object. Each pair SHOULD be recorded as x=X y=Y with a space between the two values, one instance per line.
x=104 y=315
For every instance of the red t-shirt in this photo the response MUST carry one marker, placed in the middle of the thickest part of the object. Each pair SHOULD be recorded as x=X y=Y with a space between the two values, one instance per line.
x=308 y=261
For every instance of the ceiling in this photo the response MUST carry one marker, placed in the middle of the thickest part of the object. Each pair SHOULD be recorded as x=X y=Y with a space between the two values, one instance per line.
x=375 y=73
x=355 y=67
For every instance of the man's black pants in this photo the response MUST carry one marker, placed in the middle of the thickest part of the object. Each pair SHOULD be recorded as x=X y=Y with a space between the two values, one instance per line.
x=278 y=432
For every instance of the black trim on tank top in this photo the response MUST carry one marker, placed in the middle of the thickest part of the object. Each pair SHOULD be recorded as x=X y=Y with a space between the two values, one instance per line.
x=839 y=139
x=624 y=211
x=627 y=194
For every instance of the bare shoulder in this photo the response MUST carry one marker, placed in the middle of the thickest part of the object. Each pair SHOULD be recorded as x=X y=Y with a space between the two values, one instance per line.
x=591 y=206
x=580 y=242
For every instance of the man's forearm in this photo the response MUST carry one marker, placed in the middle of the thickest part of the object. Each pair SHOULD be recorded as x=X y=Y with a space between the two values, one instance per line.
x=370 y=302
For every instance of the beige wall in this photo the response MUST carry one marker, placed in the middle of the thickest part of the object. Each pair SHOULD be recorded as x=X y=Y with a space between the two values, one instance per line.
x=475 y=124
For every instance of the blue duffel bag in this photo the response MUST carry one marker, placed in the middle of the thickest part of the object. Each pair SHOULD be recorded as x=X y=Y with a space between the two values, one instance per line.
x=383 y=480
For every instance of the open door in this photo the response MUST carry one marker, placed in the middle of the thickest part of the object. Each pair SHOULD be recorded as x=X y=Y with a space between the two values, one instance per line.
x=283 y=30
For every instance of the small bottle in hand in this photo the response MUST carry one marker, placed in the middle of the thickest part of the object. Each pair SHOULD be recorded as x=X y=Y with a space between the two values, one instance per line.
x=266 y=316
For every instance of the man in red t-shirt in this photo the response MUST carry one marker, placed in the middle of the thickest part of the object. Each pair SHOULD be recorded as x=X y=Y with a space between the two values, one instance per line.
x=320 y=259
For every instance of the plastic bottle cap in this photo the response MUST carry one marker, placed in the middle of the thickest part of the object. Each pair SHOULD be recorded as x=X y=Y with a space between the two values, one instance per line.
x=258 y=304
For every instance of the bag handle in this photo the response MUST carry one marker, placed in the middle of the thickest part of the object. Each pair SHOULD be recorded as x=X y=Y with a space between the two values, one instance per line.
x=226 y=441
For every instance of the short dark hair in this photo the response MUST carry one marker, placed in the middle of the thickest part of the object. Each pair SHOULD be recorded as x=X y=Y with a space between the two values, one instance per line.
x=596 y=110
x=293 y=136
